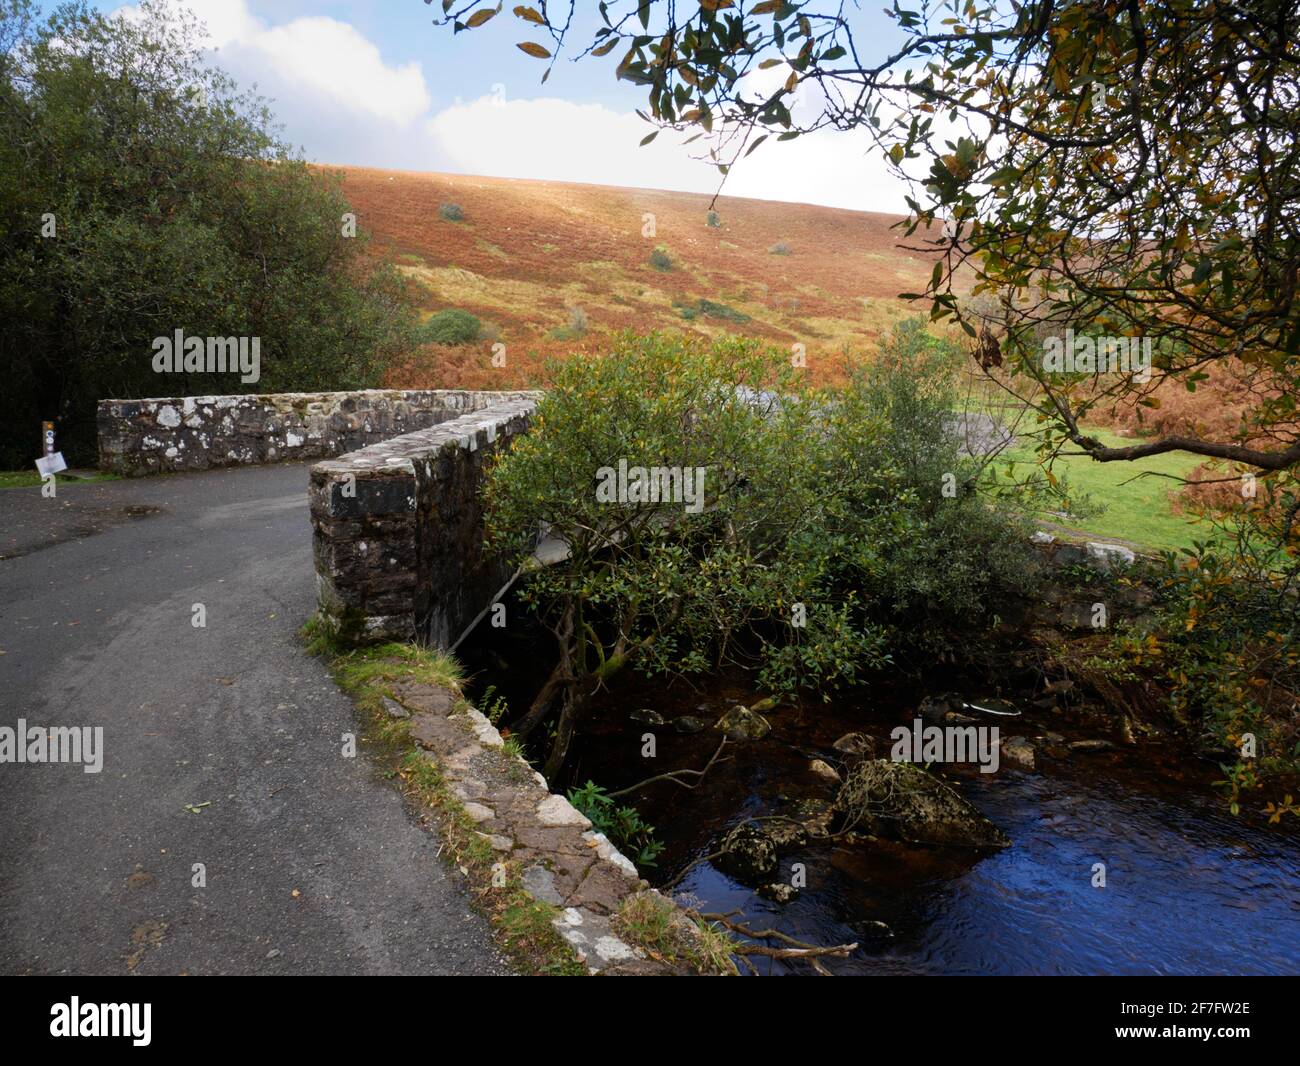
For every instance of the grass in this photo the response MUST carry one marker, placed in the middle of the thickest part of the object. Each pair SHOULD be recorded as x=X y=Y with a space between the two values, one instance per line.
x=650 y=922
x=26 y=479
x=1136 y=508
x=520 y=923
x=365 y=674
x=709 y=309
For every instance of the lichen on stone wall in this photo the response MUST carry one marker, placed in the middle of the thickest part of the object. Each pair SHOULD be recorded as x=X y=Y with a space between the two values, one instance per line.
x=398 y=530
x=150 y=436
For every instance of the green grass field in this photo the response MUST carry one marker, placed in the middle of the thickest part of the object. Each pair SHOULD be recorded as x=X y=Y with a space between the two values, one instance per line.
x=1137 y=509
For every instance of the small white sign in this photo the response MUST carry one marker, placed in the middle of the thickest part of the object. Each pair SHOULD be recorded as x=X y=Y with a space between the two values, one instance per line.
x=51 y=465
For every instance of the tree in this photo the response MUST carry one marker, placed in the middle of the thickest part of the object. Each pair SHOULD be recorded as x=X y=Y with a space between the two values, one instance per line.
x=682 y=498
x=141 y=193
x=809 y=536
x=1121 y=168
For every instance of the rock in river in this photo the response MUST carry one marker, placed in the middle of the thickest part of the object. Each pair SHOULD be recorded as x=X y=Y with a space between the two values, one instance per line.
x=740 y=723
x=824 y=770
x=899 y=800
x=747 y=854
x=856 y=744
x=942 y=710
x=786 y=834
x=1092 y=745
x=1018 y=753
x=814 y=816
x=778 y=892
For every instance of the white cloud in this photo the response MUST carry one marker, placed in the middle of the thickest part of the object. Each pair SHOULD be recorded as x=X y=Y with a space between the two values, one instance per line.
x=226 y=20
x=559 y=141
x=316 y=61
x=331 y=59
x=563 y=141
x=336 y=96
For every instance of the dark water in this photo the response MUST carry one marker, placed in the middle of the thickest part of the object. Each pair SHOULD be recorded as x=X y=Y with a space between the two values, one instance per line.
x=1189 y=889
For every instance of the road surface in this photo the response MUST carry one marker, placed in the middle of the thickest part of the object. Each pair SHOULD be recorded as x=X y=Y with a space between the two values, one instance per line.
x=312 y=864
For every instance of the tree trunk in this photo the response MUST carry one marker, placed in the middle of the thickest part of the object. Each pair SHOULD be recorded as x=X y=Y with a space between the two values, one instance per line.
x=561 y=676
x=542 y=704
x=564 y=729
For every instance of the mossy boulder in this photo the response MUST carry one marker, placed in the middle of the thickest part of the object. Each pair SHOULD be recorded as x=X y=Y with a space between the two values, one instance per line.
x=903 y=802
x=740 y=723
x=748 y=854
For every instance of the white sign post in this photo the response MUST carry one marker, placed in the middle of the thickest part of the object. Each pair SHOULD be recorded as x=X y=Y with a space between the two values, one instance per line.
x=52 y=463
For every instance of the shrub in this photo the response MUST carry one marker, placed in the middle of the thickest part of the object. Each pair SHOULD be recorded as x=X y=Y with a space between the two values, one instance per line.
x=576 y=327
x=660 y=259
x=713 y=220
x=451 y=326
x=948 y=561
x=830 y=501
x=1223 y=651
x=779 y=248
x=622 y=826
x=709 y=309
x=452 y=213
x=716 y=310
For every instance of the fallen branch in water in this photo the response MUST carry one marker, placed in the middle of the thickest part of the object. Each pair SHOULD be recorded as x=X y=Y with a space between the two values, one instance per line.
x=672 y=775
x=798 y=949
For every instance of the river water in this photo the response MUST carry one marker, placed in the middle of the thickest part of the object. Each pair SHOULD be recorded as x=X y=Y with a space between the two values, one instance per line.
x=1189 y=889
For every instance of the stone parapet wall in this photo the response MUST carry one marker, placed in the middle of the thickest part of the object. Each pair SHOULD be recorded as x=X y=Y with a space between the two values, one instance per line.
x=398 y=529
x=151 y=436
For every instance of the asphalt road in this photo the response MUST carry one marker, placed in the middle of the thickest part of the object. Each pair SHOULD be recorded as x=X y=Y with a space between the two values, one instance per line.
x=312 y=863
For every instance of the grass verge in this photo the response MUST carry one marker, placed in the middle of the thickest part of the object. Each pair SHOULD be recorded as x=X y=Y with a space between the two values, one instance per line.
x=666 y=934
x=521 y=924
x=25 y=479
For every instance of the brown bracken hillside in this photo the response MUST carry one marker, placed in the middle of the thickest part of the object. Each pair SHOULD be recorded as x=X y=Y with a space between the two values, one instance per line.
x=534 y=259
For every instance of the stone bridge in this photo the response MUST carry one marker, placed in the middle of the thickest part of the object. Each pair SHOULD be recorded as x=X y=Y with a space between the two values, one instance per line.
x=396 y=518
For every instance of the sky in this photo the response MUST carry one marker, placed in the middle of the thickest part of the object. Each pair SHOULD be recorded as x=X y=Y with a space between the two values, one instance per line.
x=376 y=83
